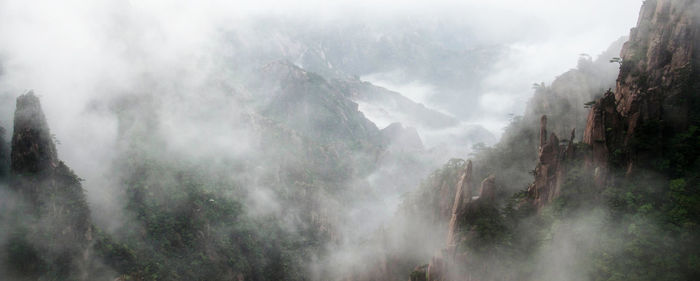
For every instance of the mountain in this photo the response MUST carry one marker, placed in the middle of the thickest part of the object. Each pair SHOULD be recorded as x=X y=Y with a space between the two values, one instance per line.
x=278 y=168
x=650 y=115
x=306 y=102
x=439 y=52
x=562 y=100
x=265 y=211
x=385 y=104
x=443 y=201
x=47 y=217
x=600 y=208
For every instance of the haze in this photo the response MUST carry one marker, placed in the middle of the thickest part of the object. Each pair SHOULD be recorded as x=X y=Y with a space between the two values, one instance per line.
x=194 y=84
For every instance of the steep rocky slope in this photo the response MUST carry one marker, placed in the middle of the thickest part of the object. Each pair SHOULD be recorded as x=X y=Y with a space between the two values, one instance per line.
x=306 y=102
x=564 y=104
x=656 y=94
x=563 y=99
x=49 y=221
x=636 y=167
x=453 y=226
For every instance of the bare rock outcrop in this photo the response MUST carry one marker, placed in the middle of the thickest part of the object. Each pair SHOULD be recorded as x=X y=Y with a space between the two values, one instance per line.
x=655 y=99
x=33 y=150
x=487 y=191
x=446 y=264
x=656 y=90
x=463 y=196
x=57 y=215
x=551 y=168
x=658 y=60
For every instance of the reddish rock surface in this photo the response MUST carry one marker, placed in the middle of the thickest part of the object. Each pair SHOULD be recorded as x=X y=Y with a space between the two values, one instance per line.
x=462 y=197
x=656 y=88
x=550 y=170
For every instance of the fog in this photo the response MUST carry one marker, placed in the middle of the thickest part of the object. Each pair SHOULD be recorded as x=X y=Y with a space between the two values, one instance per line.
x=180 y=80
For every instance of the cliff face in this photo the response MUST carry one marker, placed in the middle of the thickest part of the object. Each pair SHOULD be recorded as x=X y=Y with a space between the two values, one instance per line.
x=33 y=150
x=563 y=99
x=650 y=121
x=656 y=92
x=658 y=61
x=36 y=170
x=463 y=196
x=54 y=229
x=551 y=166
x=448 y=263
x=516 y=154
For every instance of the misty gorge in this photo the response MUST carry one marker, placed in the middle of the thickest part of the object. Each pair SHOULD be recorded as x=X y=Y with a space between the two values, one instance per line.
x=350 y=140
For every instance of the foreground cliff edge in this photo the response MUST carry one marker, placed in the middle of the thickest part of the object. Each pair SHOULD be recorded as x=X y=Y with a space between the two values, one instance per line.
x=620 y=205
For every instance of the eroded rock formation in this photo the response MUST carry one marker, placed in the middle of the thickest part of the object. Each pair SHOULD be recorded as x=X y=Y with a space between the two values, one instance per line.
x=655 y=100
x=446 y=264
x=463 y=196
x=56 y=217
x=551 y=166
x=33 y=150
x=656 y=92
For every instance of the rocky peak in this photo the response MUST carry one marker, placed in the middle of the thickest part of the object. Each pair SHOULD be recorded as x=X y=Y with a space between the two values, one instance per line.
x=403 y=138
x=543 y=130
x=311 y=105
x=487 y=191
x=661 y=54
x=33 y=149
x=656 y=91
x=550 y=170
x=655 y=100
x=447 y=264
x=562 y=100
x=54 y=194
x=36 y=170
x=462 y=197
